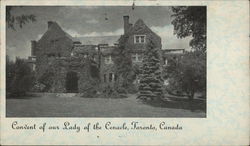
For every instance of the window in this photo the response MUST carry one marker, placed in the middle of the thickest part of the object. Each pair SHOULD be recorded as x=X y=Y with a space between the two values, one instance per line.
x=136 y=57
x=137 y=39
x=104 y=78
x=51 y=55
x=139 y=57
x=108 y=59
x=53 y=41
x=140 y=39
x=34 y=67
x=166 y=62
x=110 y=77
x=33 y=59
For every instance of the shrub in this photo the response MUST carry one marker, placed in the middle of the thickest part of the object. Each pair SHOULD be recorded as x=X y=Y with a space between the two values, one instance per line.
x=188 y=73
x=90 y=93
x=38 y=87
x=20 y=77
x=110 y=92
x=47 y=80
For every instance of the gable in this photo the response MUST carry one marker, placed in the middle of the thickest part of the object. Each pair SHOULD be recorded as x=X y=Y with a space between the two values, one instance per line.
x=141 y=28
x=54 y=32
x=55 y=41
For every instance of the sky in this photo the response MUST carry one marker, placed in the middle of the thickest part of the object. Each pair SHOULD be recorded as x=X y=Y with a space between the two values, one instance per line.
x=89 y=21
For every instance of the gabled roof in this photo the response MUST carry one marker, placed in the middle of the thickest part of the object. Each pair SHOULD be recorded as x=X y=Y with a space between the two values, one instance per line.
x=140 y=27
x=54 y=32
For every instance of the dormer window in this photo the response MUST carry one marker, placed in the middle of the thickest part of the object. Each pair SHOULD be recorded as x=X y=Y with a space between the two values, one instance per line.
x=139 y=39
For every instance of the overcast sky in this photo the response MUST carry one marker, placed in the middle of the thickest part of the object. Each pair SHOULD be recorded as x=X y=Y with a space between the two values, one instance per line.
x=90 y=21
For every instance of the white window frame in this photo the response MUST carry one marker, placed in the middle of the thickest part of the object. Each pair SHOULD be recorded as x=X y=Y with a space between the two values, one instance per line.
x=166 y=62
x=34 y=67
x=108 y=59
x=136 y=55
x=140 y=39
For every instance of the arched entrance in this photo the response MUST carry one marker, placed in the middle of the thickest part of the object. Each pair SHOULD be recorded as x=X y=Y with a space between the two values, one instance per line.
x=71 y=82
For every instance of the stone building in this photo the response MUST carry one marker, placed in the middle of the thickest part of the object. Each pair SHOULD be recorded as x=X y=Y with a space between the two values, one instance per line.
x=64 y=61
x=136 y=37
x=73 y=64
x=107 y=68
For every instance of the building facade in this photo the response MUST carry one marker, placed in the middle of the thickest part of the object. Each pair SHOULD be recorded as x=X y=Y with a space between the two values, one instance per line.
x=74 y=66
x=135 y=38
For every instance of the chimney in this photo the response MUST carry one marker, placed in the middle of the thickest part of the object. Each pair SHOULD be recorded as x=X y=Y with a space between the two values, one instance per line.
x=33 y=48
x=50 y=23
x=126 y=24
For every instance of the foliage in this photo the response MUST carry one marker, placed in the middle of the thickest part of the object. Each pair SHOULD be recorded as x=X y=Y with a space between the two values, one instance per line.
x=19 y=78
x=151 y=83
x=90 y=93
x=191 y=21
x=21 y=20
x=123 y=64
x=188 y=73
x=109 y=92
x=38 y=87
x=94 y=70
x=47 y=80
x=10 y=73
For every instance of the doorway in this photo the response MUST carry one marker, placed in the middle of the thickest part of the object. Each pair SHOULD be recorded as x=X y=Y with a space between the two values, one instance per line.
x=71 y=82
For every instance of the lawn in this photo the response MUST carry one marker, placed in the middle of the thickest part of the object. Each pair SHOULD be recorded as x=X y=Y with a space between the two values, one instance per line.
x=68 y=105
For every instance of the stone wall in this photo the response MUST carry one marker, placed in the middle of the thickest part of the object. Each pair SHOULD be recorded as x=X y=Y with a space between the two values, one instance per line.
x=61 y=66
x=55 y=43
x=106 y=68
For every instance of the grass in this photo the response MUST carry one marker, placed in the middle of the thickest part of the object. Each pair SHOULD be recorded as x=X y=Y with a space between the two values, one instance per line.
x=50 y=105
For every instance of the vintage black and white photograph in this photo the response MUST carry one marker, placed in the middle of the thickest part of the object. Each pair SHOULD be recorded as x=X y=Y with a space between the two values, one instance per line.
x=106 y=61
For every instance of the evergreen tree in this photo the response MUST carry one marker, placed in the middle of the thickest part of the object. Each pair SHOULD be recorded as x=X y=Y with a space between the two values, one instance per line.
x=151 y=83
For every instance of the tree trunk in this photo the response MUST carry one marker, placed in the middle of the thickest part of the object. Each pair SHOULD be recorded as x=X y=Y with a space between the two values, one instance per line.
x=191 y=99
x=191 y=96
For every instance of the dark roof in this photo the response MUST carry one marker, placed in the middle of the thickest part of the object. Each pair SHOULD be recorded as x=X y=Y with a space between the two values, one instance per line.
x=107 y=50
x=172 y=52
x=95 y=40
x=172 y=49
x=140 y=27
x=54 y=32
x=167 y=51
x=82 y=49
